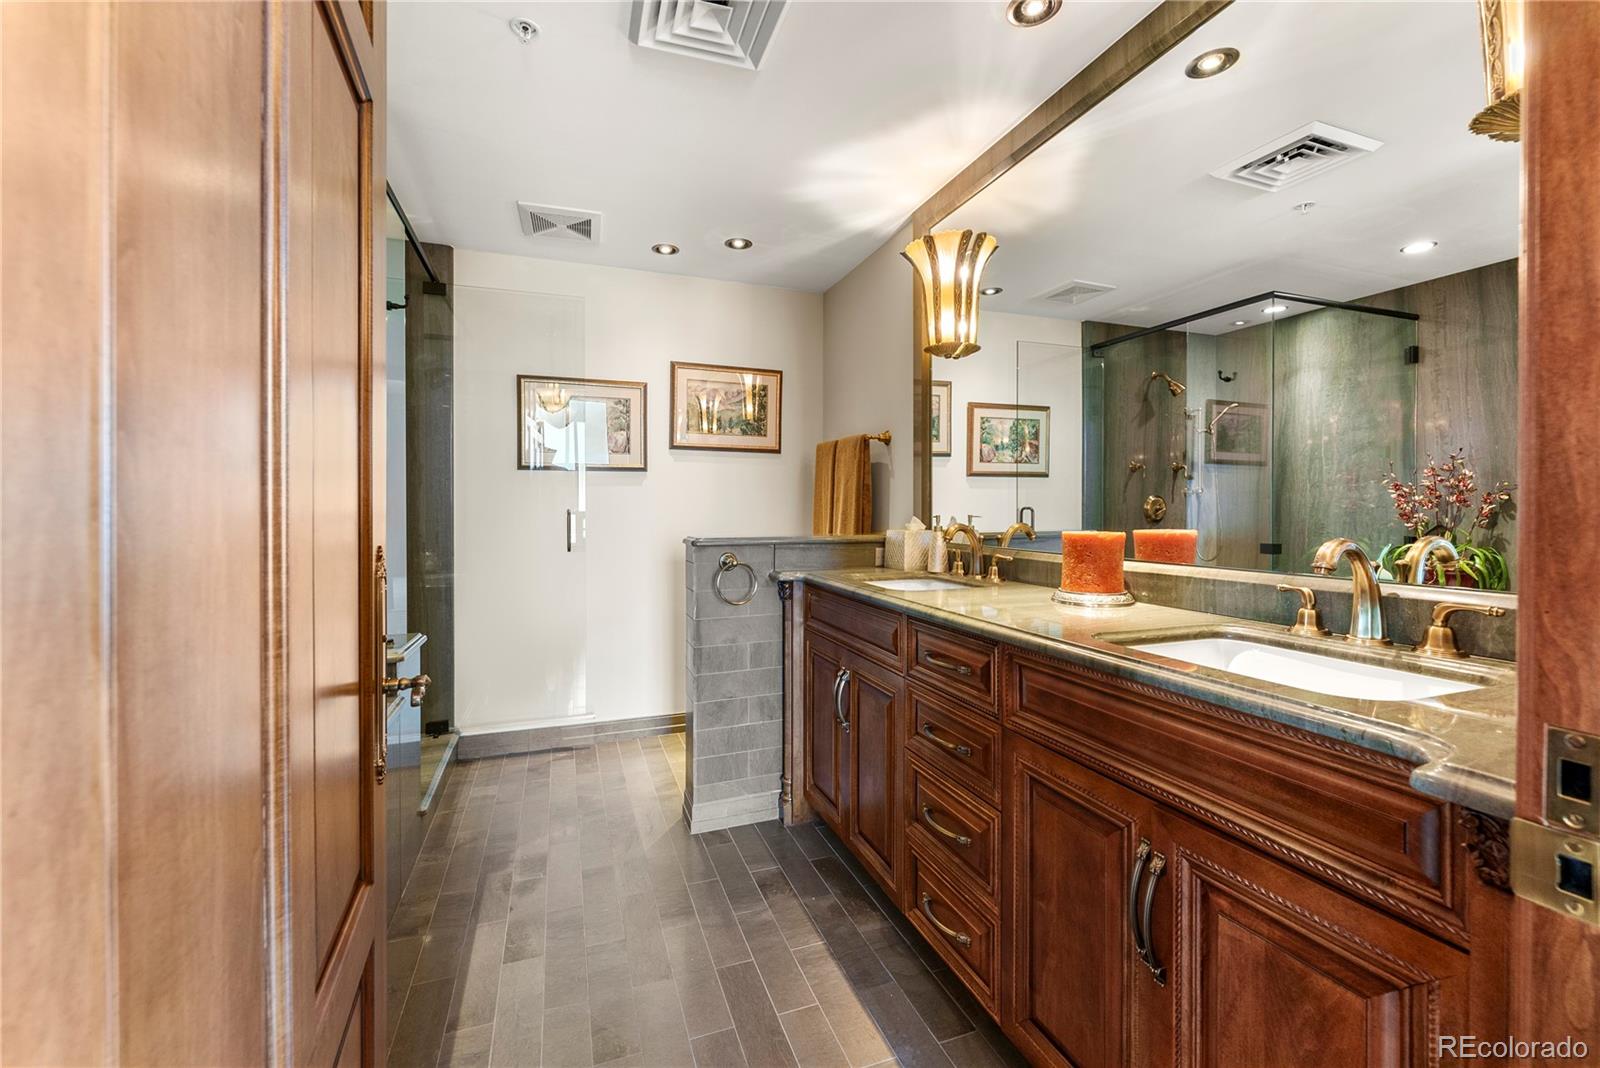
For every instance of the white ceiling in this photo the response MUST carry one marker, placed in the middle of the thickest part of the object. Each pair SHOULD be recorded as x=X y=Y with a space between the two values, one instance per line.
x=860 y=111
x=1125 y=197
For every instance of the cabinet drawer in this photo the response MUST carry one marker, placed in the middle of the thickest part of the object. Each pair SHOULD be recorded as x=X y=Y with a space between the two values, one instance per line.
x=870 y=631
x=964 y=933
x=1344 y=813
x=954 y=663
x=964 y=833
x=963 y=745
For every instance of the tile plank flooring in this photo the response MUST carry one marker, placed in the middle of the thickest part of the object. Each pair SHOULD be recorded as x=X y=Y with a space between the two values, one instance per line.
x=560 y=914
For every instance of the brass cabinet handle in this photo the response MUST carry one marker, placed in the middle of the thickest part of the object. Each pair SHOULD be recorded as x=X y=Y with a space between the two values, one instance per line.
x=926 y=730
x=944 y=663
x=1139 y=915
x=949 y=932
x=1140 y=858
x=839 y=685
x=959 y=839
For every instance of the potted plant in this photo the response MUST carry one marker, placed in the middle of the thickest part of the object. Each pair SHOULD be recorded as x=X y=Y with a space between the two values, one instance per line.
x=1446 y=500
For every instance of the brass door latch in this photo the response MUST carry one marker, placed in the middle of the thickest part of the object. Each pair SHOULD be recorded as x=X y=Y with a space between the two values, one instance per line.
x=417 y=684
x=1556 y=864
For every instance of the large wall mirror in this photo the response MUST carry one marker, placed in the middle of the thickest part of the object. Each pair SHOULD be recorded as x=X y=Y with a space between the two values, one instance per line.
x=1275 y=305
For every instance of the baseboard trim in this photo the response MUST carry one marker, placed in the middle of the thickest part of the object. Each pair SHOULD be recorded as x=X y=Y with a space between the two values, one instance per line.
x=540 y=739
x=733 y=812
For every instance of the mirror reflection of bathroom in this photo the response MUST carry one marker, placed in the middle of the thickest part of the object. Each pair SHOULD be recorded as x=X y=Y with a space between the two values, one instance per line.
x=1273 y=309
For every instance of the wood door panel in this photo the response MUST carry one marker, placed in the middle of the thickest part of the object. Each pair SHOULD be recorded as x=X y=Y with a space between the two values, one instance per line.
x=824 y=772
x=1271 y=967
x=874 y=743
x=1070 y=836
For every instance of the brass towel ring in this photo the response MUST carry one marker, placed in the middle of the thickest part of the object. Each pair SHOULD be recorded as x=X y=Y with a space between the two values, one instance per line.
x=728 y=562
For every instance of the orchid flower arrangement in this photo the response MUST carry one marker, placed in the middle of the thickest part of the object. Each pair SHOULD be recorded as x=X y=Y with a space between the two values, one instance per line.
x=1447 y=500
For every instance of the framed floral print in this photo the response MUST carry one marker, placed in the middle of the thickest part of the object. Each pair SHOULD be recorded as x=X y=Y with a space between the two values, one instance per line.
x=1008 y=440
x=1238 y=433
x=564 y=421
x=737 y=409
x=939 y=420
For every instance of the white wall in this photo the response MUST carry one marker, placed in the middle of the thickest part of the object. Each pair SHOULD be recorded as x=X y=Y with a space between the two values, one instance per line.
x=1051 y=374
x=634 y=323
x=867 y=377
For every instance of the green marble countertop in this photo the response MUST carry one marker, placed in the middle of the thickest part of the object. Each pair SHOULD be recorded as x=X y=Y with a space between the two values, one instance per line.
x=1463 y=745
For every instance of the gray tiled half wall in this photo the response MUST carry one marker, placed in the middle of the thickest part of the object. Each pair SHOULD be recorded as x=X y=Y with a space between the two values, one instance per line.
x=734 y=672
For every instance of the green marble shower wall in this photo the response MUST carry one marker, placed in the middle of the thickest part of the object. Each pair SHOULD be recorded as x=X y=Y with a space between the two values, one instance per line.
x=1344 y=406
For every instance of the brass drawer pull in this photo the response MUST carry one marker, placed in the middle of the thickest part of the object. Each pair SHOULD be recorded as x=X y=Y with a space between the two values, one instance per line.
x=944 y=663
x=959 y=839
x=959 y=750
x=949 y=932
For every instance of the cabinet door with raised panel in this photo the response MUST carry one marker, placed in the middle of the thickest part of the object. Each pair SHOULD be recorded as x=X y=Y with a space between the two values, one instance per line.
x=1270 y=966
x=875 y=709
x=1077 y=846
x=824 y=714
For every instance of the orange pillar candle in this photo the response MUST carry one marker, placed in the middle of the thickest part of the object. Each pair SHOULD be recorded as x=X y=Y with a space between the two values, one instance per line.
x=1166 y=546
x=1091 y=561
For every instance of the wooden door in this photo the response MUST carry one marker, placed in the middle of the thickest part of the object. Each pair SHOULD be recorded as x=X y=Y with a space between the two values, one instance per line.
x=1074 y=845
x=824 y=712
x=334 y=613
x=875 y=818
x=1269 y=966
x=186 y=385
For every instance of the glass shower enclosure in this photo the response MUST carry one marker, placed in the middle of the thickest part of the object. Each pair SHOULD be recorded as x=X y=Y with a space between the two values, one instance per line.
x=1269 y=425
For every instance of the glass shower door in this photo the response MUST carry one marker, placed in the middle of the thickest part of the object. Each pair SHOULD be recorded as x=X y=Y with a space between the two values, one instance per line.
x=521 y=509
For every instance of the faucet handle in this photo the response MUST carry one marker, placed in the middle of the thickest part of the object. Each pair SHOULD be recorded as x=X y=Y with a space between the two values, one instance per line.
x=993 y=577
x=1307 y=621
x=1441 y=640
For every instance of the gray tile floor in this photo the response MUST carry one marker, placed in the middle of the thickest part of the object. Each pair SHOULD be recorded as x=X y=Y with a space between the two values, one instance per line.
x=560 y=914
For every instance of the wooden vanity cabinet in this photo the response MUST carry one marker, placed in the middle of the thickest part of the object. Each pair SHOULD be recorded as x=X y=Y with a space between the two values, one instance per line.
x=1124 y=876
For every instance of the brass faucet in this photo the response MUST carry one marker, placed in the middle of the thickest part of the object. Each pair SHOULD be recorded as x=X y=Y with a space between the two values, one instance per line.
x=1366 y=602
x=1412 y=566
x=974 y=544
x=1015 y=529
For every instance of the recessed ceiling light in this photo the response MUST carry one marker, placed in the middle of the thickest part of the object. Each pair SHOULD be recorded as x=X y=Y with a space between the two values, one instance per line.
x=664 y=249
x=1419 y=247
x=1238 y=322
x=525 y=29
x=1304 y=207
x=1210 y=64
x=1031 y=12
x=738 y=244
x=989 y=291
x=1274 y=309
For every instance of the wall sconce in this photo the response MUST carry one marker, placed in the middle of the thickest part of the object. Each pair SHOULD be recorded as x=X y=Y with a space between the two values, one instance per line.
x=950 y=265
x=1503 y=57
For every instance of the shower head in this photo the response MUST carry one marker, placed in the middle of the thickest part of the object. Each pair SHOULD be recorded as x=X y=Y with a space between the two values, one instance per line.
x=1173 y=385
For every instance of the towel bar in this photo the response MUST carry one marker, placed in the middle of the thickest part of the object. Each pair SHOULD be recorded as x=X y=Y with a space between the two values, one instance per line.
x=883 y=437
x=728 y=562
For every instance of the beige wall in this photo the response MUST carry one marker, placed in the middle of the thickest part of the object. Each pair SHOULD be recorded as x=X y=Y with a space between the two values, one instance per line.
x=867 y=370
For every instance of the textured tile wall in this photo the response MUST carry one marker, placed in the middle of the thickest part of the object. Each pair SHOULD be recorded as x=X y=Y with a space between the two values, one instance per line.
x=734 y=675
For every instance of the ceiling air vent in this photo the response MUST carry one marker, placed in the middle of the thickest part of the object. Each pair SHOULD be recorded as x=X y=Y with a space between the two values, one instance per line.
x=1077 y=291
x=1294 y=157
x=571 y=225
x=736 y=32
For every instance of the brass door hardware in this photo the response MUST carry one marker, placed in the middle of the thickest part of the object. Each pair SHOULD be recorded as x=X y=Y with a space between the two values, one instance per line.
x=1441 y=640
x=1571 y=778
x=417 y=684
x=1554 y=869
x=1139 y=919
x=1155 y=508
x=1307 y=621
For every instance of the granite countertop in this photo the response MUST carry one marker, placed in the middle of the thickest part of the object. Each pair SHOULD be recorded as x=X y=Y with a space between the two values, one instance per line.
x=1463 y=744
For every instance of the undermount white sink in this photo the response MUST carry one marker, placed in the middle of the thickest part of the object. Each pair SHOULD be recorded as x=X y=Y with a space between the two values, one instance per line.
x=1329 y=675
x=918 y=584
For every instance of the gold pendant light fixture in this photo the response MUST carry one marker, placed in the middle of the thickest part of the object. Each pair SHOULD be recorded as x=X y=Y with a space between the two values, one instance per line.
x=949 y=265
x=1503 y=48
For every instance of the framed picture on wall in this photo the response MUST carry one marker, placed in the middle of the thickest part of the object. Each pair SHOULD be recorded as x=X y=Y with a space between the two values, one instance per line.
x=939 y=422
x=1008 y=440
x=737 y=409
x=561 y=421
x=1238 y=433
